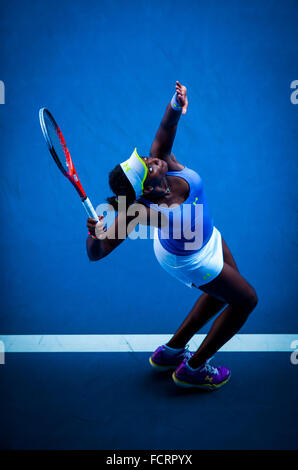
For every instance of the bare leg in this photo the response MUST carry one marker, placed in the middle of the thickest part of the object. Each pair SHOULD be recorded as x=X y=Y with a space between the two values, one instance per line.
x=204 y=309
x=242 y=299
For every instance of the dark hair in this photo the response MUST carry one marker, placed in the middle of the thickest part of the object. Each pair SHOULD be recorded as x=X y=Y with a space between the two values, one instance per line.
x=120 y=186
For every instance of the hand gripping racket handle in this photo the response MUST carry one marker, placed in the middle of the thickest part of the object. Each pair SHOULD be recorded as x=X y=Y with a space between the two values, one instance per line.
x=89 y=208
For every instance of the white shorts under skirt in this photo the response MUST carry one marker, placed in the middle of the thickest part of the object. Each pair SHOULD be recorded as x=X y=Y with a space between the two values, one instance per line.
x=196 y=269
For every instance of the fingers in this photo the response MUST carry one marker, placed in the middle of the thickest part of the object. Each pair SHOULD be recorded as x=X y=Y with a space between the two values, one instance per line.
x=181 y=96
x=179 y=90
x=95 y=227
x=94 y=221
x=180 y=87
x=100 y=229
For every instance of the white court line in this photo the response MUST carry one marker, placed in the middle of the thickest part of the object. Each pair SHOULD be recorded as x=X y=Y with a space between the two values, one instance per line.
x=137 y=343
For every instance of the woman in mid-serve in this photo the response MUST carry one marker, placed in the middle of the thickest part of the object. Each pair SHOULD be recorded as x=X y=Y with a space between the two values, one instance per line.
x=202 y=260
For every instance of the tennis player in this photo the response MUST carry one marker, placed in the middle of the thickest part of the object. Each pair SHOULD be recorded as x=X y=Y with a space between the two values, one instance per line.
x=161 y=184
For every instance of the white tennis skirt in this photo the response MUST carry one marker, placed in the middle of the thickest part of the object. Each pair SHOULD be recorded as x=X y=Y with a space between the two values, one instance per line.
x=193 y=270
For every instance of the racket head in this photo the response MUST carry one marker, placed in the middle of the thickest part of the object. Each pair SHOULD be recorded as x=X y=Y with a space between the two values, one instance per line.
x=59 y=151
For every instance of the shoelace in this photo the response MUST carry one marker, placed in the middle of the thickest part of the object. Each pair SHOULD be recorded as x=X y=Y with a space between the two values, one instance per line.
x=187 y=354
x=209 y=368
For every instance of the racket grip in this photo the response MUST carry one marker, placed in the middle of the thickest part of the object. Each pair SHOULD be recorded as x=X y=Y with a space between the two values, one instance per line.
x=90 y=209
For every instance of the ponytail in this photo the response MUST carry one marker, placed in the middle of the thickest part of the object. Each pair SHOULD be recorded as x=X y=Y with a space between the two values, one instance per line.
x=113 y=201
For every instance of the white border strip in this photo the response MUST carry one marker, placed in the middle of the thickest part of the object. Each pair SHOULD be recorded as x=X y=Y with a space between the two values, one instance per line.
x=137 y=343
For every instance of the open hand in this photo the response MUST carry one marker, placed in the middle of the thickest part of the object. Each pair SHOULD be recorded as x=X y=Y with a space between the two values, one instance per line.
x=182 y=96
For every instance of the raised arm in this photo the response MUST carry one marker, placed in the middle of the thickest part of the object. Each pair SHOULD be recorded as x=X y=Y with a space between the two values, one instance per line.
x=165 y=135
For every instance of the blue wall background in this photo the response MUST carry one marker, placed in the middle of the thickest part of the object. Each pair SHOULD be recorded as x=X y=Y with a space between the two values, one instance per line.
x=106 y=70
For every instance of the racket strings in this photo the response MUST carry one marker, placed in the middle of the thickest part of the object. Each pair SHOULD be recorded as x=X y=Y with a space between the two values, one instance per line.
x=58 y=144
x=59 y=150
x=66 y=152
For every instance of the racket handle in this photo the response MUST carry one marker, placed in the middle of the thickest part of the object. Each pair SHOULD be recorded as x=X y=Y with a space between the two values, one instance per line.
x=90 y=209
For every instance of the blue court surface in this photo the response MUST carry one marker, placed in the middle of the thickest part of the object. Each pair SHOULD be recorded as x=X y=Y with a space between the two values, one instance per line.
x=76 y=336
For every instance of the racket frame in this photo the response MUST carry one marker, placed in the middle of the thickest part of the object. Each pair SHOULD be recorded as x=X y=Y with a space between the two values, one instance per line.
x=71 y=175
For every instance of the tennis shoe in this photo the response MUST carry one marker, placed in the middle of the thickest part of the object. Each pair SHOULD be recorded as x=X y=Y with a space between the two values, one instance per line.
x=165 y=358
x=205 y=376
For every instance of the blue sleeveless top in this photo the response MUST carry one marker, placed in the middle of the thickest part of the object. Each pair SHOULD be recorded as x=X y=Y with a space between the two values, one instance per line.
x=185 y=221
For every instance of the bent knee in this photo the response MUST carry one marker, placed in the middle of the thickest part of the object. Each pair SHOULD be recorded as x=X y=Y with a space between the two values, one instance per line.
x=254 y=298
x=250 y=300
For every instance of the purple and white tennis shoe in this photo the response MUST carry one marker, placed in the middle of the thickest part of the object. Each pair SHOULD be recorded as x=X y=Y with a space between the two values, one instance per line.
x=206 y=376
x=166 y=358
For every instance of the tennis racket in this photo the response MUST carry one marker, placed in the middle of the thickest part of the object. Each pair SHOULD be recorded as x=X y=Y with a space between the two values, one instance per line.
x=61 y=155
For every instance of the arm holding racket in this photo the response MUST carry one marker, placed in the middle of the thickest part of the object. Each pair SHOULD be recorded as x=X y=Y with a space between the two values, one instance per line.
x=97 y=244
x=108 y=240
x=94 y=246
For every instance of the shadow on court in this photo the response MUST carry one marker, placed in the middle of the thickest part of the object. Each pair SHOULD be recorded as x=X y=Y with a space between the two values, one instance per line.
x=116 y=401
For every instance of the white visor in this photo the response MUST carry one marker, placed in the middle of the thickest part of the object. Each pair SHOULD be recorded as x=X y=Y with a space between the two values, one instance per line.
x=136 y=171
